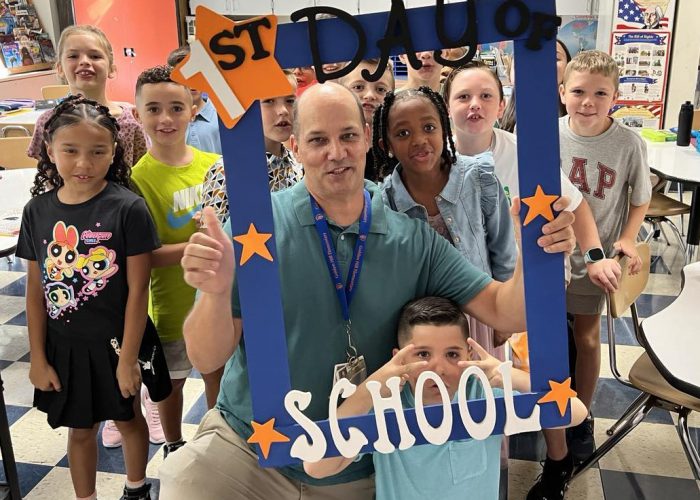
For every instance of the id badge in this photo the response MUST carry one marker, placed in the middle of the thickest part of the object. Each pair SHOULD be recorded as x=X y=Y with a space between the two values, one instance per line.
x=355 y=370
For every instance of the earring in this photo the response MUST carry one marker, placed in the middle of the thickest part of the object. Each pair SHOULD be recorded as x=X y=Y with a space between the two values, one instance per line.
x=391 y=155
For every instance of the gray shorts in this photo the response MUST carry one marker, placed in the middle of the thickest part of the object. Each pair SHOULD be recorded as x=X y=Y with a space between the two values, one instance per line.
x=179 y=364
x=585 y=304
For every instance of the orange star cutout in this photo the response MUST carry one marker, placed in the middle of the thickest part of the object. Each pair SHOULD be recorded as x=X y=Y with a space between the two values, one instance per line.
x=252 y=80
x=265 y=434
x=253 y=243
x=559 y=393
x=539 y=204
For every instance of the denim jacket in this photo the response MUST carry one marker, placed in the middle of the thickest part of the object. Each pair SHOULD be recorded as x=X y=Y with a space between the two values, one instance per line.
x=475 y=210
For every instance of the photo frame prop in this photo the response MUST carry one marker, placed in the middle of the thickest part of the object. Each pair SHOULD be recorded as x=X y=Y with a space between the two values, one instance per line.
x=239 y=64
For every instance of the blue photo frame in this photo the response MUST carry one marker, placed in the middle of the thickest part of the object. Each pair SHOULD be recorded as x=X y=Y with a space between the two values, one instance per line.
x=522 y=21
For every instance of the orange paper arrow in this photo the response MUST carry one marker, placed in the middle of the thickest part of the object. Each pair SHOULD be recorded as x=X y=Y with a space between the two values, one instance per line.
x=234 y=63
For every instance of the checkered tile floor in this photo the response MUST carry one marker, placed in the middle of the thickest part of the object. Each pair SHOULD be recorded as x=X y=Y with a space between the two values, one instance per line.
x=648 y=464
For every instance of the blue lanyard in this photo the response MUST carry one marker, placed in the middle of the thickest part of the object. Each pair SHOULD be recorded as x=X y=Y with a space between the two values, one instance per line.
x=346 y=292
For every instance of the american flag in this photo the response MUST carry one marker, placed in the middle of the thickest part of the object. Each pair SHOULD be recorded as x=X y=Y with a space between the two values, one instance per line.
x=633 y=16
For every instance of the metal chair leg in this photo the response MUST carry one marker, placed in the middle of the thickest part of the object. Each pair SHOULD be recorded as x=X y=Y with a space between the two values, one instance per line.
x=631 y=409
x=8 y=456
x=680 y=198
x=622 y=431
x=690 y=450
x=679 y=236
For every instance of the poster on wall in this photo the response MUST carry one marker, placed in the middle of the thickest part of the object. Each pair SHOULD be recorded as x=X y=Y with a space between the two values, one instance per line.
x=578 y=33
x=644 y=14
x=639 y=115
x=643 y=61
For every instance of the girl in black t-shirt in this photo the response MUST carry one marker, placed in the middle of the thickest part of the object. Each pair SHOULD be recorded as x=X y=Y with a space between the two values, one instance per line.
x=88 y=241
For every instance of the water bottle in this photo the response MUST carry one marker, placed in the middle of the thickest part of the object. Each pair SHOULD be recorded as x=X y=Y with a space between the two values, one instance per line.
x=685 y=120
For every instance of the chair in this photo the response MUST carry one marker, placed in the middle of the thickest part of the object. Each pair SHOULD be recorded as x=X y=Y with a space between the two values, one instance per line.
x=13 y=153
x=660 y=209
x=15 y=131
x=54 y=91
x=666 y=373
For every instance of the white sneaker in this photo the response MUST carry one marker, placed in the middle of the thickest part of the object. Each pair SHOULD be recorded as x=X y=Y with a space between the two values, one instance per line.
x=155 y=429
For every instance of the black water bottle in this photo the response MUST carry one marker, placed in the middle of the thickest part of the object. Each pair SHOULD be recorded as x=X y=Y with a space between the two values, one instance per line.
x=685 y=120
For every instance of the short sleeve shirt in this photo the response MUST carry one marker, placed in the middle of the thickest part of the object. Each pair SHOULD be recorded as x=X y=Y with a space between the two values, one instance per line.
x=404 y=259
x=82 y=251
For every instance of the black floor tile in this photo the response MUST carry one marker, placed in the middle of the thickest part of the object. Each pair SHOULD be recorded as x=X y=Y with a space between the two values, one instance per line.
x=612 y=399
x=29 y=475
x=630 y=486
x=651 y=304
x=19 y=320
x=16 y=288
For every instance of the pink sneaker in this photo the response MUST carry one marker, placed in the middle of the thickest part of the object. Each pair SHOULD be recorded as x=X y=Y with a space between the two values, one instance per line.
x=155 y=430
x=111 y=437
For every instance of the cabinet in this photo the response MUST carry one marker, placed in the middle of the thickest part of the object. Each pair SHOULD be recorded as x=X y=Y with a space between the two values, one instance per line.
x=142 y=35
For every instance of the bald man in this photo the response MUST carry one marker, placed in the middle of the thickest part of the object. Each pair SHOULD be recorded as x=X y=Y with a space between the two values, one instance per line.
x=403 y=259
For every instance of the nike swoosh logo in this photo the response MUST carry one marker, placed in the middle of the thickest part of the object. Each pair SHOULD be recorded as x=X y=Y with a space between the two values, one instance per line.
x=179 y=221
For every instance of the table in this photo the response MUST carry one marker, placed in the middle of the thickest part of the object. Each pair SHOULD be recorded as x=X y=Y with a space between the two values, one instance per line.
x=25 y=119
x=680 y=164
x=14 y=194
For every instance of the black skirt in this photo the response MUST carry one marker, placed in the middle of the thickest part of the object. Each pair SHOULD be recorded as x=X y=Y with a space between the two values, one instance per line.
x=89 y=388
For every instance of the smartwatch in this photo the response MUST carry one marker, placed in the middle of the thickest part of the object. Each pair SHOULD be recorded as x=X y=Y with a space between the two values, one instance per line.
x=593 y=255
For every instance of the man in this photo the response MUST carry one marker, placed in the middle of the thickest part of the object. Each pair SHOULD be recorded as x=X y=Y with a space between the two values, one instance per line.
x=404 y=259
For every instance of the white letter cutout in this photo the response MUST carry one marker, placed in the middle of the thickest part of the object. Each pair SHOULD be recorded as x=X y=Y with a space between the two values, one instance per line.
x=435 y=435
x=350 y=447
x=308 y=450
x=393 y=402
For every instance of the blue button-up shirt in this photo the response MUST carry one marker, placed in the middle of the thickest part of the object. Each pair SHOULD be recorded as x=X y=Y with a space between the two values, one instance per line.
x=475 y=210
x=203 y=132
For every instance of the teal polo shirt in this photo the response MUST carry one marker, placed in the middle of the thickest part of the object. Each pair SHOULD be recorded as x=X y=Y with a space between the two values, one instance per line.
x=405 y=259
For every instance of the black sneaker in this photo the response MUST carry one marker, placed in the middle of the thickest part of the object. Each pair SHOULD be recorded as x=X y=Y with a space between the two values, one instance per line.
x=169 y=448
x=553 y=482
x=581 y=441
x=142 y=493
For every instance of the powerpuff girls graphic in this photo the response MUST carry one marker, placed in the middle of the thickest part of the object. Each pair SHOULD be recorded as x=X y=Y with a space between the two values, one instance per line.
x=59 y=297
x=62 y=252
x=71 y=278
x=95 y=267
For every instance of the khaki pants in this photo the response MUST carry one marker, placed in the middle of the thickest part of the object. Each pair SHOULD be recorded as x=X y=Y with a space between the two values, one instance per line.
x=217 y=465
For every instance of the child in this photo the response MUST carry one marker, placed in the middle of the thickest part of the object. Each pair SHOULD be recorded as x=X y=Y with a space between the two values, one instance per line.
x=88 y=241
x=305 y=77
x=169 y=177
x=203 y=131
x=432 y=335
x=604 y=159
x=474 y=98
x=427 y=76
x=460 y=198
x=508 y=119
x=371 y=96
x=282 y=169
x=85 y=62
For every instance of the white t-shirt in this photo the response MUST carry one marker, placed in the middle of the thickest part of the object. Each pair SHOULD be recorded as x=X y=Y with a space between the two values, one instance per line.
x=505 y=155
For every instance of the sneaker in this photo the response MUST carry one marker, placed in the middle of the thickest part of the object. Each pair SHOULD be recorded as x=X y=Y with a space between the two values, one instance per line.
x=111 y=437
x=554 y=480
x=169 y=448
x=580 y=440
x=155 y=429
x=142 y=493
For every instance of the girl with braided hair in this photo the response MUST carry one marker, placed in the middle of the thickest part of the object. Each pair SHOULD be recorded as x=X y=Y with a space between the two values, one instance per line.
x=460 y=197
x=85 y=340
